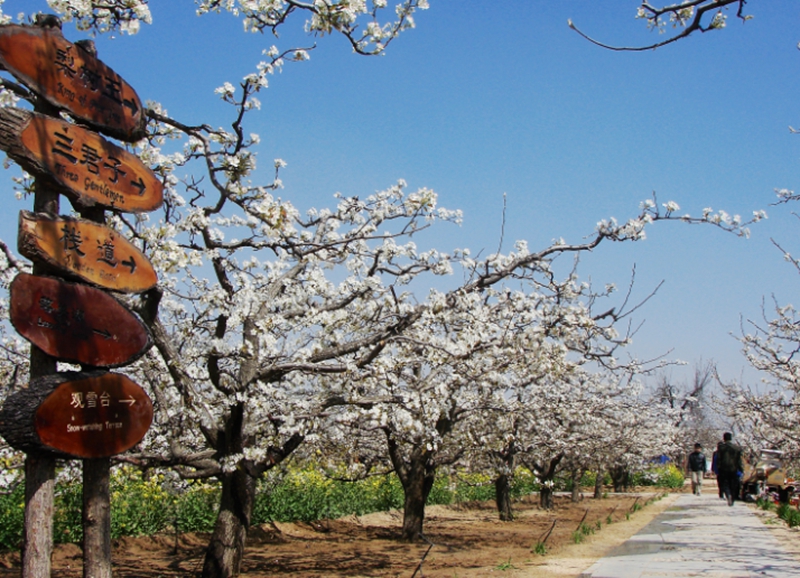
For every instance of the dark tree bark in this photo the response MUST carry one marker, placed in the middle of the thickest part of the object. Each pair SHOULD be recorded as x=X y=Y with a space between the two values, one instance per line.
x=225 y=549
x=546 y=472
x=577 y=476
x=598 y=484
x=620 y=478
x=416 y=475
x=223 y=557
x=502 y=483
x=502 y=495
x=546 y=496
x=416 y=489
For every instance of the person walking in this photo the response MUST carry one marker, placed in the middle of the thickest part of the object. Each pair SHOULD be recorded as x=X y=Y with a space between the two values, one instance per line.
x=729 y=464
x=697 y=468
x=715 y=469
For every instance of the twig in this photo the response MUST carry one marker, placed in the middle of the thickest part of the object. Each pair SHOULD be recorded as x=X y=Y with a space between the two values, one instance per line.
x=547 y=534
x=634 y=503
x=582 y=520
x=425 y=555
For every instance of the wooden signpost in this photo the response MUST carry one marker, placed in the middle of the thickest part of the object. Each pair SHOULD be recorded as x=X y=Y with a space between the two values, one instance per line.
x=71 y=78
x=92 y=170
x=88 y=250
x=96 y=417
x=75 y=322
x=88 y=415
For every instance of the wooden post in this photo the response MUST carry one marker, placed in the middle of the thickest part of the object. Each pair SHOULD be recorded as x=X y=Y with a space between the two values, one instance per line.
x=96 y=518
x=96 y=493
x=40 y=470
x=37 y=544
x=108 y=176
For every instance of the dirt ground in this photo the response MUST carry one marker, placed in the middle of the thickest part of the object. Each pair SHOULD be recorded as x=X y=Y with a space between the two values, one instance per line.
x=468 y=541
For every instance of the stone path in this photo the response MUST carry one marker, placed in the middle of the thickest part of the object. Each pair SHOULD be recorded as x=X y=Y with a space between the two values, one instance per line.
x=700 y=536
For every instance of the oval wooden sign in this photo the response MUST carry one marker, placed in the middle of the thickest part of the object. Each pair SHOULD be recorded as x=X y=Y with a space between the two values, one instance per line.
x=92 y=169
x=71 y=78
x=76 y=323
x=93 y=252
x=95 y=417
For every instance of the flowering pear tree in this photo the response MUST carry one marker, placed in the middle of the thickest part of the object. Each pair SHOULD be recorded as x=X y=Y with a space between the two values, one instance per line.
x=446 y=379
x=224 y=343
x=264 y=317
x=578 y=418
x=443 y=380
x=768 y=414
x=686 y=18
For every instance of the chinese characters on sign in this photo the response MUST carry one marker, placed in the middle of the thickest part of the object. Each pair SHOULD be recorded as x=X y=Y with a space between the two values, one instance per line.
x=96 y=414
x=76 y=323
x=93 y=169
x=73 y=415
x=89 y=250
x=70 y=77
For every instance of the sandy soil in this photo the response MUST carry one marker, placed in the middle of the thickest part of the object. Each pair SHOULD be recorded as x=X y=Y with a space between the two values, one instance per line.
x=468 y=541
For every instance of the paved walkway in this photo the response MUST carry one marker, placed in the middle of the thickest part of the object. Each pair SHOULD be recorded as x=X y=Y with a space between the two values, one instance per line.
x=700 y=536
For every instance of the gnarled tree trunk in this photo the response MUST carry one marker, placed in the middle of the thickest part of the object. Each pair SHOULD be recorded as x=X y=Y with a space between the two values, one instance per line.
x=416 y=474
x=546 y=472
x=598 y=484
x=225 y=550
x=577 y=476
x=416 y=489
x=546 y=495
x=620 y=477
x=226 y=547
x=502 y=496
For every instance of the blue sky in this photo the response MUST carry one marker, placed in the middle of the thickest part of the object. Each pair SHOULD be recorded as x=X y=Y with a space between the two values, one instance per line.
x=501 y=97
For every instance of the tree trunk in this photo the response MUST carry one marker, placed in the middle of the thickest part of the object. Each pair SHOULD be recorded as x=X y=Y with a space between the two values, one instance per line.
x=502 y=494
x=598 y=484
x=416 y=489
x=226 y=548
x=37 y=545
x=96 y=518
x=546 y=495
x=40 y=471
x=620 y=478
x=577 y=476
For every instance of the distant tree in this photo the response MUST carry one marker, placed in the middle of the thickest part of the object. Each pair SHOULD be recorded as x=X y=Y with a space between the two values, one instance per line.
x=690 y=403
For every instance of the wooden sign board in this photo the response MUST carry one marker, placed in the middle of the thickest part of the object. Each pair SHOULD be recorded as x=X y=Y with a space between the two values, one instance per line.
x=87 y=415
x=96 y=417
x=76 y=323
x=71 y=78
x=91 y=169
x=91 y=251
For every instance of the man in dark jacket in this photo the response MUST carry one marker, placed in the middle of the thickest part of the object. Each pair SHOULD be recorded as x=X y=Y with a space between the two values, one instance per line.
x=729 y=464
x=697 y=468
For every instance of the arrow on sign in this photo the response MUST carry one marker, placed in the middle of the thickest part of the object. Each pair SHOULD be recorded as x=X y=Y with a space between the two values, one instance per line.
x=131 y=104
x=131 y=263
x=130 y=401
x=140 y=185
x=103 y=333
